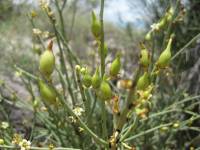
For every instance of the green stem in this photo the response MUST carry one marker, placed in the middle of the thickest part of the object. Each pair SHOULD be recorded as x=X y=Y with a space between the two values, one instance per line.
x=147 y=131
x=31 y=76
x=38 y=37
x=60 y=11
x=130 y=129
x=80 y=85
x=82 y=124
x=102 y=39
x=122 y=120
x=70 y=52
x=67 y=84
x=183 y=101
x=37 y=148
x=187 y=45
x=102 y=55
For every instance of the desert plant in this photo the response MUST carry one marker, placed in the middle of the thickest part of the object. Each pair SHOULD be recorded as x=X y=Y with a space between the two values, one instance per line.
x=89 y=111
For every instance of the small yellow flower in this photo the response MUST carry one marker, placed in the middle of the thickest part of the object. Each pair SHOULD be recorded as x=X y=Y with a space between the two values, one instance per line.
x=155 y=27
x=4 y=125
x=80 y=129
x=45 y=34
x=16 y=139
x=78 y=111
x=37 y=31
x=44 y=4
x=43 y=108
x=33 y=14
x=18 y=73
x=51 y=147
x=25 y=145
x=73 y=120
x=176 y=125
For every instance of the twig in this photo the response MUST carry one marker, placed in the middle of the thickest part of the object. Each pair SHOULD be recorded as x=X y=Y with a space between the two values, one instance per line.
x=187 y=45
x=147 y=131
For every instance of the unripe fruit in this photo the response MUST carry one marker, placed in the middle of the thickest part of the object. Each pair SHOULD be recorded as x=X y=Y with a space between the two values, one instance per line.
x=143 y=82
x=144 y=57
x=169 y=14
x=105 y=92
x=47 y=93
x=47 y=61
x=96 y=26
x=2 y=142
x=165 y=56
x=162 y=23
x=148 y=36
x=87 y=80
x=115 y=66
x=96 y=79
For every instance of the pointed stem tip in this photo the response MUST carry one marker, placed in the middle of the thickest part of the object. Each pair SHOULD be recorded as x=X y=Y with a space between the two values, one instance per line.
x=50 y=45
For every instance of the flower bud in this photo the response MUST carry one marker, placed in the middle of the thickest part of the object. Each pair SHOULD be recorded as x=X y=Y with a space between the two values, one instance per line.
x=87 y=80
x=96 y=26
x=96 y=79
x=143 y=82
x=105 y=92
x=165 y=56
x=77 y=68
x=47 y=93
x=115 y=66
x=144 y=57
x=47 y=61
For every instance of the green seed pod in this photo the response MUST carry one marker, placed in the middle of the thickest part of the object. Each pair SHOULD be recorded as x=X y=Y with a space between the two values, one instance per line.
x=169 y=14
x=115 y=66
x=47 y=93
x=96 y=26
x=87 y=80
x=162 y=23
x=47 y=61
x=165 y=56
x=96 y=79
x=144 y=57
x=148 y=36
x=2 y=142
x=105 y=92
x=143 y=82
x=105 y=49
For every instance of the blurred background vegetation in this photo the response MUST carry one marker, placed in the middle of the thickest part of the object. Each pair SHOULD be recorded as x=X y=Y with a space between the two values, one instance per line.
x=123 y=32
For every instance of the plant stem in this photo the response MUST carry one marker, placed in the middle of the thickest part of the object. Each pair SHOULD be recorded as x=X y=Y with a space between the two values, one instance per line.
x=102 y=39
x=60 y=10
x=147 y=131
x=70 y=111
x=187 y=45
x=129 y=100
x=82 y=124
x=37 y=148
x=80 y=85
x=130 y=129
x=102 y=55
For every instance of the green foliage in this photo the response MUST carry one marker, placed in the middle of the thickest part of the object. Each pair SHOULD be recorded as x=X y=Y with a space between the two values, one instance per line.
x=142 y=111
